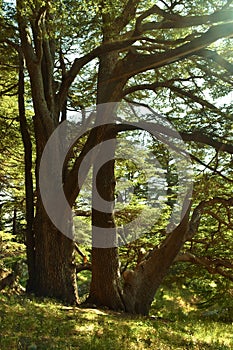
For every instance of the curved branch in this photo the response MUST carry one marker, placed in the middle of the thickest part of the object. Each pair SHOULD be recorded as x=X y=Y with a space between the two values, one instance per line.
x=210 y=168
x=213 y=266
x=179 y=91
x=191 y=95
x=198 y=211
x=79 y=63
x=171 y=21
x=85 y=267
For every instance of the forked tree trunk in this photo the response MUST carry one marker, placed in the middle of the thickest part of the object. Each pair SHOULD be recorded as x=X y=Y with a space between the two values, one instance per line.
x=50 y=253
x=141 y=284
x=135 y=292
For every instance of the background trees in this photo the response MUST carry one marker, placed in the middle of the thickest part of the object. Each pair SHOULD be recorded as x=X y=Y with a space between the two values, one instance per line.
x=173 y=56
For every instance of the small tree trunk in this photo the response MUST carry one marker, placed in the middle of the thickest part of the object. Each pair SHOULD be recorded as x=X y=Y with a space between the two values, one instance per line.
x=29 y=239
x=14 y=222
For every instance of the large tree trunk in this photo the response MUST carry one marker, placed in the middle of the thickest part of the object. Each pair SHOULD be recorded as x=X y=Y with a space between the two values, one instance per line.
x=105 y=286
x=55 y=273
x=50 y=253
x=55 y=270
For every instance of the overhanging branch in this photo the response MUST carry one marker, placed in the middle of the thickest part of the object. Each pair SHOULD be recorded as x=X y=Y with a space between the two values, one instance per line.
x=135 y=63
x=213 y=266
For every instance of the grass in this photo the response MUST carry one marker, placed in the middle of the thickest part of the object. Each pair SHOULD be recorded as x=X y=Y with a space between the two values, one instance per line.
x=32 y=323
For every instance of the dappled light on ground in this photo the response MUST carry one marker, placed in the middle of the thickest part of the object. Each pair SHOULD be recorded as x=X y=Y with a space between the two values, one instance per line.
x=29 y=323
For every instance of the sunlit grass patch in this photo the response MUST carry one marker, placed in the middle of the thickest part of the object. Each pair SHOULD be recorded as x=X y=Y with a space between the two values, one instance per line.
x=31 y=323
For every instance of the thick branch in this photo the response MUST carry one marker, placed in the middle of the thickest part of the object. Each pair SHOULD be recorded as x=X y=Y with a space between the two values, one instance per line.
x=198 y=136
x=37 y=25
x=79 y=63
x=127 y=15
x=83 y=267
x=137 y=63
x=24 y=35
x=177 y=21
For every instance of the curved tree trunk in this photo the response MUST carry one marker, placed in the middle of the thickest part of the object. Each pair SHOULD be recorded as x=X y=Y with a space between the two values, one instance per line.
x=141 y=284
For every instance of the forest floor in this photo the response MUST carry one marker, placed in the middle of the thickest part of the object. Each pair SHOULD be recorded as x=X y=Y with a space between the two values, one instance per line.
x=175 y=321
x=32 y=323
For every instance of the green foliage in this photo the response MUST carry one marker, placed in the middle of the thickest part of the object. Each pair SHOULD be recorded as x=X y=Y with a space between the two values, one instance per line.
x=13 y=259
x=11 y=165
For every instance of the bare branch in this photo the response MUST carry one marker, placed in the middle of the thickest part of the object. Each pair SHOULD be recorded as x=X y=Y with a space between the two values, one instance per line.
x=155 y=10
x=198 y=136
x=199 y=210
x=182 y=92
x=85 y=267
x=207 y=166
x=191 y=95
x=213 y=266
x=214 y=56
x=9 y=89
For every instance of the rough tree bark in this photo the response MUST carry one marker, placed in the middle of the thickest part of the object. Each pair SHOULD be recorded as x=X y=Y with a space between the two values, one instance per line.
x=105 y=288
x=51 y=254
